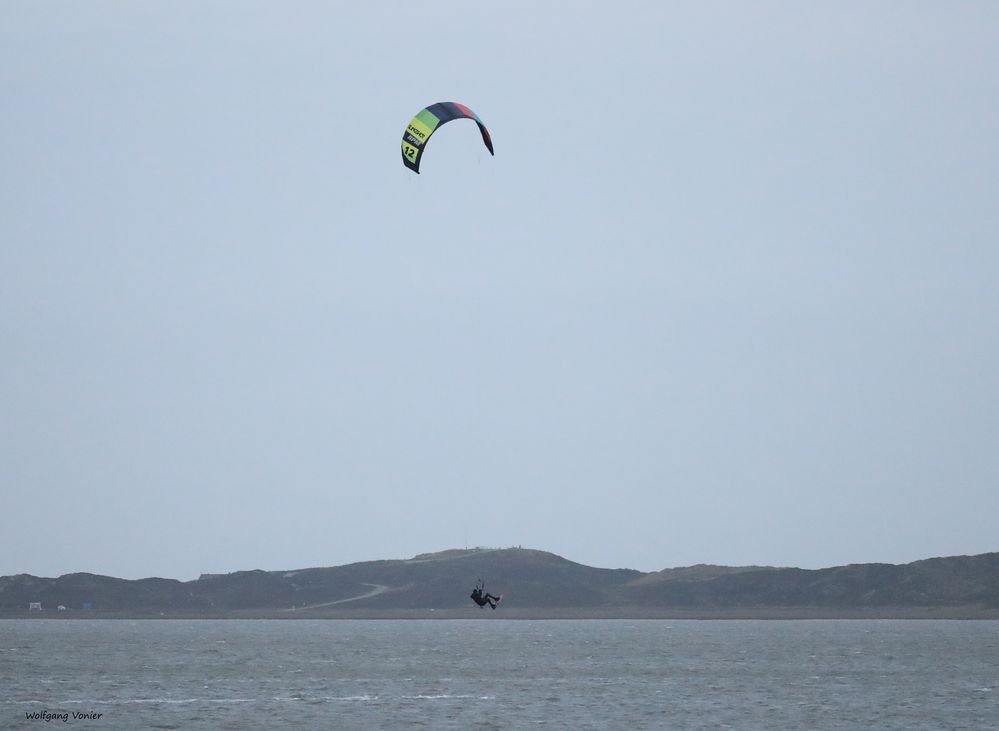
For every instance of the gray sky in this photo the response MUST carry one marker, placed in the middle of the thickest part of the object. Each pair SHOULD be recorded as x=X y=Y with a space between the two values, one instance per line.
x=727 y=292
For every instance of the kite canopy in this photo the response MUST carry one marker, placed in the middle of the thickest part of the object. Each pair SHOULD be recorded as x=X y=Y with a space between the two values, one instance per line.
x=424 y=124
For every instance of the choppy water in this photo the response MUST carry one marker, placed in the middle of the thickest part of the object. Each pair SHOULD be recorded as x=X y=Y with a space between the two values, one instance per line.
x=301 y=674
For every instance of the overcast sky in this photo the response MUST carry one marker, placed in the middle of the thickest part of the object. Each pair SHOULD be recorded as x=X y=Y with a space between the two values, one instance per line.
x=727 y=292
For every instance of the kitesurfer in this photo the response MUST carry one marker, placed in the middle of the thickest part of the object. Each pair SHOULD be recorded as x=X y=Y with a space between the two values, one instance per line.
x=483 y=598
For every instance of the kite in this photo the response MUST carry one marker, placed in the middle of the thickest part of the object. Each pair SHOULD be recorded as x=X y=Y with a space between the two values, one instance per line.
x=424 y=124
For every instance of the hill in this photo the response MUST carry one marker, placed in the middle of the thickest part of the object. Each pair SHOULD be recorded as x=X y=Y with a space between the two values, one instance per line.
x=535 y=584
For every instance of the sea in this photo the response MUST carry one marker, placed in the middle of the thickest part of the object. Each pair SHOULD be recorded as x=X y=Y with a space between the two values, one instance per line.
x=499 y=674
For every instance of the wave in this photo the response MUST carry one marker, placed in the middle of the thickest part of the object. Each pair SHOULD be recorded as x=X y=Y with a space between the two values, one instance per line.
x=126 y=701
x=363 y=697
x=445 y=696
